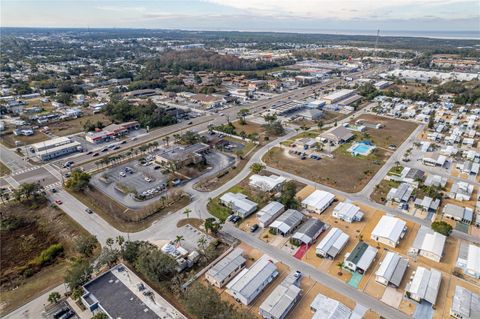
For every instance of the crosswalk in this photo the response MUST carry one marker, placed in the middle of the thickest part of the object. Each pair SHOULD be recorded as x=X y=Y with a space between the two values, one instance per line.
x=54 y=185
x=24 y=170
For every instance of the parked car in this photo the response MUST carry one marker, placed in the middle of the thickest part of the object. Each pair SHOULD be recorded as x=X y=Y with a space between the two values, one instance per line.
x=148 y=179
x=254 y=228
x=105 y=150
x=67 y=164
x=58 y=202
x=122 y=174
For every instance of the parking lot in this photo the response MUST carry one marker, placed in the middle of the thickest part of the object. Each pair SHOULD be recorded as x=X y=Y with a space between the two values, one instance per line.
x=121 y=181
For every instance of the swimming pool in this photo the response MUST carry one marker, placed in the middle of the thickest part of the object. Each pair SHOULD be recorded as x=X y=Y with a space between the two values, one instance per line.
x=361 y=149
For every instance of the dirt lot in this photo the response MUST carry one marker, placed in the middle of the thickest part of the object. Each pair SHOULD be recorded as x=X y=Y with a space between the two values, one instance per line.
x=381 y=190
x=24 y=234
x=4 y=170
x=9 y=139
x=249 y=128
x=125 y=219
x=76 y=125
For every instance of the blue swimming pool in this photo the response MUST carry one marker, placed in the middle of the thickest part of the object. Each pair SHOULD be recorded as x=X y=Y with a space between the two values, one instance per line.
x=361 y=149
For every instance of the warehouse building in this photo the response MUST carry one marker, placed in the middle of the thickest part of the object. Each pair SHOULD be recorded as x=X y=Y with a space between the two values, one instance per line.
x=227 y=268
x=55 y=148
x=337 y=96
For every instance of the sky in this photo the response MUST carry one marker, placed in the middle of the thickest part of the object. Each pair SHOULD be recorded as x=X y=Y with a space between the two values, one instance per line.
x=246 y=15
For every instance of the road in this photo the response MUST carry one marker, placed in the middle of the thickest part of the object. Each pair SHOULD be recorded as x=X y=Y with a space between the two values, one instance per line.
x=321 y=277
x=12 y=160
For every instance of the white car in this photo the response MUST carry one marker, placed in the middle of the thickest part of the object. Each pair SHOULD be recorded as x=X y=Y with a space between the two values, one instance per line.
x=123 y=174
x=148 y=179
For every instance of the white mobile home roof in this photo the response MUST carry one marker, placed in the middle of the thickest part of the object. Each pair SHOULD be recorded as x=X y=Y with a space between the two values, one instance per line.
x=434 y=242
x=267 y=212
x=367 y=258
x=425 y=284
x=328 y=308
x=318 y=199
x=248 y=281
x=239 y=202
x=282 y=298
x=473 y=259
x=333 y=242
x=393 y=268
x=227 y=265
x=348 y=211
x=389 y=227
x=289 y=219
x=266 y=183
x=465 y=302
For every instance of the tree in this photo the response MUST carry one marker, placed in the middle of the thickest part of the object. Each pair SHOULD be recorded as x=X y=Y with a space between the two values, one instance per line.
x=29 y=191
x=156 y=265
x=78 y=180
x=178 y=239
x=78 y=274
x=100 y=315
x=274 y=128
x=108 y=256
x=242 y=113
x=442 y=227
x=256 y=168
x=85 y=245
x=431 y=120
x=110 y=242
x=287 y=196
x=212 y=225
x=187 y=212
x=54 y=297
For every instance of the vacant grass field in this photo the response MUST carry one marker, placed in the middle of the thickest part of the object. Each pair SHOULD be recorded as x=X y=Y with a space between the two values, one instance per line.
x=381 y=190
x=9 y=139
x=248 y=128
x=24 y=233
x=64 y=128
x=4 y=170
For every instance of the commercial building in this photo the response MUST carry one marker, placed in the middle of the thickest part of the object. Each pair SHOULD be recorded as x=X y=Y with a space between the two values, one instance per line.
x=119 y=293
x=250 y=282
x=391 y=270
x=182 y=156
x=361 y=257
x=283 y=298
x=338 y=96
x=56 y=147
x=266 y=183
x=424 y=285
x=389 y=230
x=332 y=244
x=338 y=135
x=328 y=308
x=318 y=201
x=239 y=204
x=347 y=212
x=458 y=213
x=308 y=232
x=428 y=244
x=269 y=213
x=465 y=304
x=469 y=259
x=227 y=268
x=111 y=131
x=287 y=222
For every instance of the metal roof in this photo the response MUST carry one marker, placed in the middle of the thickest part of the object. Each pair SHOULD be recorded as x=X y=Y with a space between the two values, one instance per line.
x=227 y=265
x=389 y=227
x=289 y=219
x=393 y=268
x=282 y=298
x=328 y=308
x=333 y=242
x=309 y=230
x=465 y=302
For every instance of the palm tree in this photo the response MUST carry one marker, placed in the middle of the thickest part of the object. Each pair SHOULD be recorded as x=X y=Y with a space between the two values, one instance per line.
x=178 y=239
x=167 y=139
x=187 y=212
x=340 y=267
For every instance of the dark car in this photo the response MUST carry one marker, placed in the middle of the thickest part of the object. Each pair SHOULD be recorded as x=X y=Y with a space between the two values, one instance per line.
x=105 y=150
x=89 y=152
x=254 y=228
x=60 y=312
x=88 y=211
x=190 y=123
x=124 y=142
x=95 y=154
x=54 y=190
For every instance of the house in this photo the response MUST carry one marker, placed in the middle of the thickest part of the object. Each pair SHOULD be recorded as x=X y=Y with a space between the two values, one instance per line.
x=227 y=268
x=308 y=232
x=391 y=270
x=469 y=259
x=428 y=244
x=389 y=230
x=458 y=213
x=287 y=222
x=412 y=175
x=360 y=258
x=427 y=204
x=465 y=304
x=332 y=244
x=435 y=180
x=347 y=212
x=183 y=155
x=424 y=285
x=328 y=308
x=402 y=194
x=283 y=298
x=461 y=191
x=266 y=183
x=116 y=293
x=318 y=201
x=239 y=204
x=338 y=135
x=250 y=282
x=24 y=131
x=269 y=213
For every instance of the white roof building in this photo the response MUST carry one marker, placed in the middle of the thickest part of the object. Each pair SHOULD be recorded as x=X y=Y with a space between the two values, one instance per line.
x=318 y=201
x=309 y=231
x=266 y=183
x=282 y=299
x=469 y=259
x=461 y=191
x=347 y=212
x=389 y=230
x=361 y=257
x=465 y=304
x=287 y=222
x=239 y=203
x=429 y=244
x=227 y=268
x=328 y=308
x=391 y=270
x=246 y=286
x=332 y=243
x=425 y=285
x=269 y=213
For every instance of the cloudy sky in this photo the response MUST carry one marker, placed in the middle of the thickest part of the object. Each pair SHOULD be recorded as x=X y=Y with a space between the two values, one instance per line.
x=250 y=15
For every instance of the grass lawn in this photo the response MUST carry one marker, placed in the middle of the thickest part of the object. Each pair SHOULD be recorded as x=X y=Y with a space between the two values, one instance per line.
x=9 y=139
x=4 y=170
x=64 y=128
x=122 y=218
x=395 y=171
x=248 y=128
x=380 y=192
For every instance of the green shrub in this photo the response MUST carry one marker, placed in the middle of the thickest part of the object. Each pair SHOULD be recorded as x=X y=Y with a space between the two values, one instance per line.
x=48 y=255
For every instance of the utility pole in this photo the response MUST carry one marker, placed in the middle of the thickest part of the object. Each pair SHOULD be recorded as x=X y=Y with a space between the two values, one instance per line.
x=376 y=43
